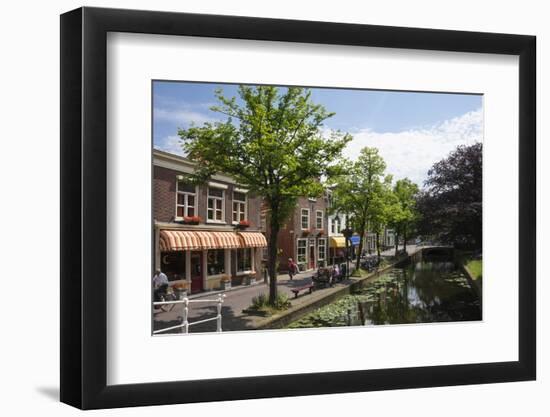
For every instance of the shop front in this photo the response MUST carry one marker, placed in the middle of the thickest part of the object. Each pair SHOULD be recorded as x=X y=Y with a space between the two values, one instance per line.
x=337 y=249
x=203 y=260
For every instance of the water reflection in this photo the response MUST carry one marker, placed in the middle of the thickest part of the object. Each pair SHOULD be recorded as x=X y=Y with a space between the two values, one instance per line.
x=421 y=292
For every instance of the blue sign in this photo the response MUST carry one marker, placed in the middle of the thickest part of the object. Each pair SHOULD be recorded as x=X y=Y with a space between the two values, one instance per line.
x=355 y=240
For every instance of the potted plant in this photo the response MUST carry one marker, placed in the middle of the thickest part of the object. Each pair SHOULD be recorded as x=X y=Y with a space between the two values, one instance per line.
x=226 y=282
x=180 y=288
x=249 y=278
x=192 y=220
x=243 y=224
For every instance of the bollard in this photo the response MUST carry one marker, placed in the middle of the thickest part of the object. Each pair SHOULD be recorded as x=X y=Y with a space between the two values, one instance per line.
x=219 y=317
x=186 y=315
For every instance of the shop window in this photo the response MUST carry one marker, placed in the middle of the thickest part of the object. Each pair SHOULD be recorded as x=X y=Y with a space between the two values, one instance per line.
x=244 y=259
x=173 y=265
x=301 y=256
x=215 y=262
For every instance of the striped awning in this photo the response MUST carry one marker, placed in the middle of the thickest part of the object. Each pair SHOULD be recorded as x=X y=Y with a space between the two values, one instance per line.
x=174 y=240
x=253 y=240
x=178 y=240
x=219 y=240
x=337 y=242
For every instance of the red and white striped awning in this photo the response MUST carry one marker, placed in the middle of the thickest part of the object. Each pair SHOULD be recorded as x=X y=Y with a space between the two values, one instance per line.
x=219 y=240
x=253 y=240
x=178 y=240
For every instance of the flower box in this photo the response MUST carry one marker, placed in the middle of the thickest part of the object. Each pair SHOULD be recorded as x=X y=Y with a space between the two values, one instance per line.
x=192 y=219
x=243 y=224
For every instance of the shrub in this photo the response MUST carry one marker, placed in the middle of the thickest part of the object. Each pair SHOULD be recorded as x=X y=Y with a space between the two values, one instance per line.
x=260 y=301
x=282 y=302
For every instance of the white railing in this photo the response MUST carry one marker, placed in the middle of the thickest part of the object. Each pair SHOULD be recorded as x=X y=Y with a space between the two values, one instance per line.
x=185 y=323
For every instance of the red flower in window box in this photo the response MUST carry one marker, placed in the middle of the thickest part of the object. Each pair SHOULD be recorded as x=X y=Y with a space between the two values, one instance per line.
x=306 y=232
x=192 y=219
x=321 y=232
x=244 y=223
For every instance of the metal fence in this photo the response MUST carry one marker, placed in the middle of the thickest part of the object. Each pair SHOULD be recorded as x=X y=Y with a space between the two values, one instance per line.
x=185 y=322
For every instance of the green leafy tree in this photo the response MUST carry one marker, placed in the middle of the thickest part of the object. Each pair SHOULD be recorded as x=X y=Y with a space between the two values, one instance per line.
x=406 y=193
x=271 y=143
x=383 y=209
x=356 y=188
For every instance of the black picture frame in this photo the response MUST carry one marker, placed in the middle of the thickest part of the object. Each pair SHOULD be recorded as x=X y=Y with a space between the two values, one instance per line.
x=84 y=207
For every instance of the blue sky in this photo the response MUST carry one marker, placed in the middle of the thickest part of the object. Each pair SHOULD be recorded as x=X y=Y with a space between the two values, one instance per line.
x=412 y=130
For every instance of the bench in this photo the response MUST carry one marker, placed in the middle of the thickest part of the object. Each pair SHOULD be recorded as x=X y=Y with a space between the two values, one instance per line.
x=296 y=291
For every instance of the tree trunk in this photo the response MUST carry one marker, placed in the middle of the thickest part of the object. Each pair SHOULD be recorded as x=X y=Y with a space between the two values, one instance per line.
x=378 y=245
x=358 y=261
x=396 y=242
x=272 y=256
x=362 y=230
x=405 y=238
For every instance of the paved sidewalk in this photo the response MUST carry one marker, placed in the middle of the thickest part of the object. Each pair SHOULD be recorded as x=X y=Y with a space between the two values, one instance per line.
x=236 y=300
x=233 y=305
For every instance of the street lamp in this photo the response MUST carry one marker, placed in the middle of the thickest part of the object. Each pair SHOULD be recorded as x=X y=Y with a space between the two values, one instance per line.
x=347 y=232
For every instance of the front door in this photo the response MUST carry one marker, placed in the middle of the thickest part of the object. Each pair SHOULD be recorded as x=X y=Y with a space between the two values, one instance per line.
x=311 y=257
x=196 y=272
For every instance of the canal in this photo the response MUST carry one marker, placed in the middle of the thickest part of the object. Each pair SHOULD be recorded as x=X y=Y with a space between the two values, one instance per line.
x=427 y=291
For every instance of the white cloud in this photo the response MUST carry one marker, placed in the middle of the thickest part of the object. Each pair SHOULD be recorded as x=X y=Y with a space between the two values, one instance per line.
x=181 y=117
x=171 y=144
x=411 y=153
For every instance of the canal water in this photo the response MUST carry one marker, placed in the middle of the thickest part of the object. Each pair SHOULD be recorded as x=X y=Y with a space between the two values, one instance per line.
x=417 y=292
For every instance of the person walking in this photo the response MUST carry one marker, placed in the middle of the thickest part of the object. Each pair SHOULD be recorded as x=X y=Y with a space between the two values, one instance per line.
x=292 y=268
x=335 y=272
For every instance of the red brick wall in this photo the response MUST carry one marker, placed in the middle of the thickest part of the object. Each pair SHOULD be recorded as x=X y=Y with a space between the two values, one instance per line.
x=164 y=199
x=293 y=229
x=164 y=194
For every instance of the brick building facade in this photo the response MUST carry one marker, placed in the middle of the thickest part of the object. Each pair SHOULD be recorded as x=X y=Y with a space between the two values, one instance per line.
x=204 y=234
x=304 y=236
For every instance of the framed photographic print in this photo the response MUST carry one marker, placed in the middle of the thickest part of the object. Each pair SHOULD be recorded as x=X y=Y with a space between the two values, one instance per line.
x=257 y=208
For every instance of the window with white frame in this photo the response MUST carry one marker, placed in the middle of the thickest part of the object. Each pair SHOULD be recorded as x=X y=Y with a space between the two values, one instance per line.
x=322 y=249
x=305 y=218
x=244 y=259
x=319 y=219
x=185 y=199
x=239 y=206
x=215 y=262
x=333 y=225
x=215 y=209
x=301 y=253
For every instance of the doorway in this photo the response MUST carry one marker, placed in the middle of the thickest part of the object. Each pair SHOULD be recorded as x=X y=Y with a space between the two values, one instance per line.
x=196 y=272
x=311 y=257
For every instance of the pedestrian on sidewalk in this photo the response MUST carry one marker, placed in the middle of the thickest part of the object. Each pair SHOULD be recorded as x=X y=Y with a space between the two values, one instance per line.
x=292 y=268
x=335 y=273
